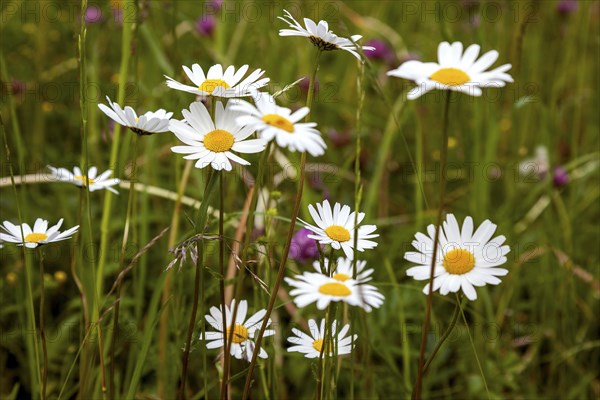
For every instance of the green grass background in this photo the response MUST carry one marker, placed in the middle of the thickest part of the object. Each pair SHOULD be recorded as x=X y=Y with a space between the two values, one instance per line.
x=536 y=334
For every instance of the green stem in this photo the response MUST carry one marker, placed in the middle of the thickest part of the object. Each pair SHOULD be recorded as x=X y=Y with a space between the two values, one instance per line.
x=286 y=250
x=475 y=352
x=126 y=39
x=439 y=344
x=202 y=218
x=28 y=275
x=42 y=325
x=128 y=217
x=226 y=339
x=444 y=154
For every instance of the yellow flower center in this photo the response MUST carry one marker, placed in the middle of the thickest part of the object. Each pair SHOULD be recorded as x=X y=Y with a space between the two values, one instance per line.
x=210 y=85
x=338 y=233
x=36 y=237
x=341 y=277
x=450 y=76
x=240 y=333
x=318 y=345
x=84 y=179
x=459 y=261
x=218 y=141
x=335 y=289
x=279 y=122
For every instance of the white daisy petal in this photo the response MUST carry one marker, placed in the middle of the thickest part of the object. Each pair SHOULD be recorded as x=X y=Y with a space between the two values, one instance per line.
x=463 y=262
x=455 y=71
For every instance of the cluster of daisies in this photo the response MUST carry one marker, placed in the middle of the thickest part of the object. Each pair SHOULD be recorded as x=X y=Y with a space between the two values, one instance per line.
x=219 y=137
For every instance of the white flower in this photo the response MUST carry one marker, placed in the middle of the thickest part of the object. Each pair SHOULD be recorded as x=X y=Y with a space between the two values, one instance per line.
x=242 y=344
x=94 y=181
x=454 y=71
x=212 y=143
x=336 y=228
x=220 y=83
x=274 y=122
x=146 y=124
x=465 y=258
x=320 y=35
x=312 y=345
x=311 y=287
x=342 y=270
x=39 y=235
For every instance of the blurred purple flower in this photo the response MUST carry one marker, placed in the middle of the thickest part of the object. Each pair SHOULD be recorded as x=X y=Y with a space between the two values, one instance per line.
x=339 y=139
x=205 y=25
x=93 y=14
x=302 y=247
x=382 y=51
x=305 y=83
x=565 y=7
x=561 y=177
x=17 y=87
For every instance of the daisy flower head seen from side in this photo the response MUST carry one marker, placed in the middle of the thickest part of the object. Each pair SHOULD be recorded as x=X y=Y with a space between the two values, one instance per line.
x=311 y=287
x=320 y=35
x=146 y=124
x=280 y=124
x=335 y=227
x=213 y=143
x=219 y=83
x=92 y=180
x=465 y=259
x=455 y=70
x=343 y=270
x=242 y=344
x=311 y=345
x=39 y=235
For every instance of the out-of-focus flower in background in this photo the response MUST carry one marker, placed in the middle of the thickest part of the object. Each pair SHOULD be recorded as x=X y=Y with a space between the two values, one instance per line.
x=206 y=24
x=302 y=247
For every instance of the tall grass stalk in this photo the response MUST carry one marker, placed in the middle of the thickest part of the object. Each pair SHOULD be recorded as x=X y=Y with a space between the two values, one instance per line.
x=126 y=39
x=288 y=242
x=224 y=383
x=164 y=324
x=42 y=325
x=34 y=368
x=200 y=225
x=442 y=192
x=128 y=222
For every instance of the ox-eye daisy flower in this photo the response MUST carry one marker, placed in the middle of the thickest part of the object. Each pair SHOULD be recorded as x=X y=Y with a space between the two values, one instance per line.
x=146 y=124
x=220 y=83
x=465 y=258
x=336 y=228
x=320 y=35
x=454 y=71
x=39 y=235
x=342 y=270
x=312 y=345
x=92 y=179
x=311 y=287
x=279 y=123
x=212 y=143
x=242 y=344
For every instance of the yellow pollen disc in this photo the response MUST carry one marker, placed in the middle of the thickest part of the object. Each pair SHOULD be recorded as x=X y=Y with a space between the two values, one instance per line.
x=335 y=289
x=218 y=141
x=450 y=76
x=338 y=233
x=210 y=85
x=84 y=179
x=341 y=277
x=459 y=261
x=240 y=333
x=35 y=237
x=279 y=122
x=318 y=345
